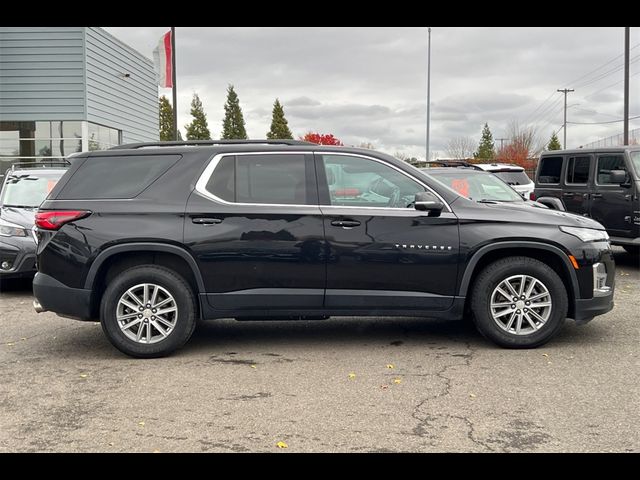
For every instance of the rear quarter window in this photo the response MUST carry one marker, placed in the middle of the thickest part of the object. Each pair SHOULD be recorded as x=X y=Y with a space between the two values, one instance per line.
x=549 y=170
x=116 y=176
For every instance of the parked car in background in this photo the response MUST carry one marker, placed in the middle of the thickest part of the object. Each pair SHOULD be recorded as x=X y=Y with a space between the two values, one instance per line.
x=149 y=238
x=602 y=183
x=24 y=188
x=513 y=175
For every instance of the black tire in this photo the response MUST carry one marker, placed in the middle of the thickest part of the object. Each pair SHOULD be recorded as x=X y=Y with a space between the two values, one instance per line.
x=165 y=278
x=632 y=249
x=492 y=276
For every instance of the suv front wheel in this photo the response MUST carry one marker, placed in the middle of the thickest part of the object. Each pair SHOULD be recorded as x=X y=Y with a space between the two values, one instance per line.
x=519 y=302
x=148 y=311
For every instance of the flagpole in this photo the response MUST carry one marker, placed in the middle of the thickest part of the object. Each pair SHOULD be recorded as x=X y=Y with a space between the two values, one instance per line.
x=173 y=82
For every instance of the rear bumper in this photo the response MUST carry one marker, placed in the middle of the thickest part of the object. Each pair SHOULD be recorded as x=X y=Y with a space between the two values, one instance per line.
x=586 y=309
x=55 y=296
x=625 y=241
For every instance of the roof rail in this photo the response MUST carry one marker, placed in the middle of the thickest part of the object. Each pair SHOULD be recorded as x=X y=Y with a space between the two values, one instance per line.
x=40 y=164
x=203 y=143
x=452 y=163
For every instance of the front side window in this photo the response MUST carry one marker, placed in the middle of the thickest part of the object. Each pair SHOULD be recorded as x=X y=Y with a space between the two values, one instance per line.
x=361 y=182
x=578 y=170
x=635 y=160
x=607 y=163
x=276 y=179
x=550 y=168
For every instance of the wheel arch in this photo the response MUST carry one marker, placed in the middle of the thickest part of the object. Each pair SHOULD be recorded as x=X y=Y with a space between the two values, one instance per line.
x=549 y=254
x=119 y=257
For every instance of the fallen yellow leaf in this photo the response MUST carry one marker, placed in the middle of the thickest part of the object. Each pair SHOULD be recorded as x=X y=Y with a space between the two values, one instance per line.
x=352 y=375
x=10 y=344
x=397 y=380
x=472 y=395
x=141 y=424
x=83 y=375
x=282 y=445
x=253 y=366
x=545 y=354
x=390 y=366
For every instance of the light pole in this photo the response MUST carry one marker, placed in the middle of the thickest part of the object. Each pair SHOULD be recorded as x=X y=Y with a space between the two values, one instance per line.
x=626 y=86
x=428 y=92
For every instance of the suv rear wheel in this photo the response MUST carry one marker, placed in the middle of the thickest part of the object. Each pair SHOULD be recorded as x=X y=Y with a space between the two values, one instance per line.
x=148 y=311
x=519 y=302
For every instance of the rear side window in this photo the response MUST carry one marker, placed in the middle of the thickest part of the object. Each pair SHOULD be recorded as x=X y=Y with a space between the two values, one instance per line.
x=578 y=170
x=116 y=176
x=262 y=179
x=549 y=170
x=606 y=163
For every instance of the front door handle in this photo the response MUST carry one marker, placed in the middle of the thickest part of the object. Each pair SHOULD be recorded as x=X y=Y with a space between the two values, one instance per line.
x=596 y=195
x=567 y=194
x=206 y=221
x=345 y=223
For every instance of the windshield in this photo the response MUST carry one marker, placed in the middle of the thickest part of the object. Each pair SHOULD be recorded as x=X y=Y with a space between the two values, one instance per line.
x=635 y=159
x=23 y=189
x=514 y=178
x=478 y=186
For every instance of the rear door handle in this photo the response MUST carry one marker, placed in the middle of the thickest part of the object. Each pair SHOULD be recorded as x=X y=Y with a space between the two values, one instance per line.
x=567 y=194
x=596 y=195
x=345 y=223
x=206 y=221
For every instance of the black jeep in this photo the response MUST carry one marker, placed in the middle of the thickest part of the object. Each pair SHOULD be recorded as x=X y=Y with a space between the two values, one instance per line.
x=602 y=183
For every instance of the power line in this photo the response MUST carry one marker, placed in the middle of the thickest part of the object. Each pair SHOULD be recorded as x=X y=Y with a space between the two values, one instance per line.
x=602 y=123
x=601 y=66
x=609 y=86
x=606 y=74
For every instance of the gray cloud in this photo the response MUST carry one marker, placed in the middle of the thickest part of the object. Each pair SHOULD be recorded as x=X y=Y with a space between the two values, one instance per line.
x=369 y=84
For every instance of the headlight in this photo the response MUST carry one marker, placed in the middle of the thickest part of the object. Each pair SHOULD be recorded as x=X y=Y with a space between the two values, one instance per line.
x=10 y=230
x=586 y=234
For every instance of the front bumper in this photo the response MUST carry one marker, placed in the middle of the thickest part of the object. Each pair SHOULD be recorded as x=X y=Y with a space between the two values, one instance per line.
x=20 y=254
x=55 y=296
x=588 y=308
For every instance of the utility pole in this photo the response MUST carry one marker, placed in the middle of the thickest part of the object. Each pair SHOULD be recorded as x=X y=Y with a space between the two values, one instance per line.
x=428 y=93
x=626 y=85
x=564 y=125
x=502 y=142
x=173 y=80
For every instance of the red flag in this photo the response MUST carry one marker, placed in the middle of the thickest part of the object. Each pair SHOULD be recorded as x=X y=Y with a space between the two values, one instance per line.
x=162 y=56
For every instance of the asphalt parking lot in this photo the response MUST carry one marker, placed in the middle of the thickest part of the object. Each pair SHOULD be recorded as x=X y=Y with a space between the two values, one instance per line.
x=354 y=385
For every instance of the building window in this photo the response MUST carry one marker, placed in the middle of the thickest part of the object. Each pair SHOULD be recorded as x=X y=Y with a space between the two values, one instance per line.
x=103 y=138
x=49 y=141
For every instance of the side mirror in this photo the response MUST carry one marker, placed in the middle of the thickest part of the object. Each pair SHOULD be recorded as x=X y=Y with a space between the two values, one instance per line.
x=428 y=202
x=618 y=176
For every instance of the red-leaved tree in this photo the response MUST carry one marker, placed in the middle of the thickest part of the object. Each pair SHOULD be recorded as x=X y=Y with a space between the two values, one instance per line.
x=322 y=139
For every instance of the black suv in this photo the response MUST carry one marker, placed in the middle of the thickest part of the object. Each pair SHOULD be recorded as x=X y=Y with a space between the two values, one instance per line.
x=150 y=238
x=601 y=183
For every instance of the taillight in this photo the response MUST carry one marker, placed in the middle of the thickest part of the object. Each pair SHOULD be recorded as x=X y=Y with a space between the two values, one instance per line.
x=532 y=196
x=54 y=219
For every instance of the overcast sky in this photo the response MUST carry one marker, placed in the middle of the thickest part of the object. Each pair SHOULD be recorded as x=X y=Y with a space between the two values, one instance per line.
x=369 y=84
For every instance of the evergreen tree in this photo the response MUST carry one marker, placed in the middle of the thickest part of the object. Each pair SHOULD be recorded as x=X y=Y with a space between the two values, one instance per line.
x=279 y=125
x=486 y=150
x=198 y=129
x=233 y=123
x=166 y=121
x=554 y=143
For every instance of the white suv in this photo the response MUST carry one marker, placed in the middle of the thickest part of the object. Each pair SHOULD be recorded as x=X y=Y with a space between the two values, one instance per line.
x=514 y=175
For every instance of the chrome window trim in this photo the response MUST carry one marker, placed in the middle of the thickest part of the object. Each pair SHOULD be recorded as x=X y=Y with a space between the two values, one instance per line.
x=213 y=163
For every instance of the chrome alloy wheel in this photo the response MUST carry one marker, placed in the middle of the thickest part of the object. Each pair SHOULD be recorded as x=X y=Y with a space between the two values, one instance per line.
x=521 y=304
x=147 y=313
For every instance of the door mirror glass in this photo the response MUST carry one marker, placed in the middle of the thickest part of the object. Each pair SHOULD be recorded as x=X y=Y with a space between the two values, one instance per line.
x=618 y=176
x=428 y=202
